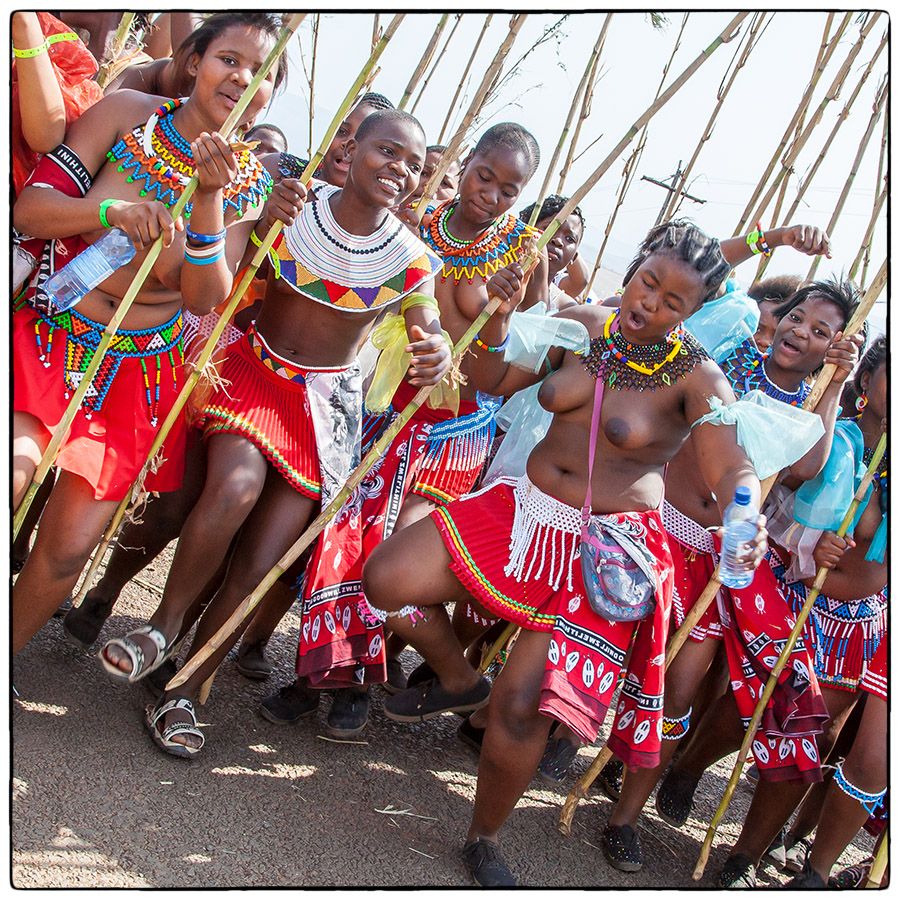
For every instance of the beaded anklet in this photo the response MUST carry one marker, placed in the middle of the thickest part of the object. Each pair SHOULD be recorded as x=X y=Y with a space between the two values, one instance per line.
x=676 y=729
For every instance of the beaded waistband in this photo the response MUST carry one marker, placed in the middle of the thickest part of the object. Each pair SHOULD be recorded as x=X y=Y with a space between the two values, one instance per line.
x=282 y=367
x=685 y=530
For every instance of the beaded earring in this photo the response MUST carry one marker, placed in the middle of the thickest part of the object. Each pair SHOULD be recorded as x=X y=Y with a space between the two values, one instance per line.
x=861 y=403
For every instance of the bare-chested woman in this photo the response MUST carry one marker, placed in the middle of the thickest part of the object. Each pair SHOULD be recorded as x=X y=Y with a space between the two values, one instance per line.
x=513 y=546
x=101 y=176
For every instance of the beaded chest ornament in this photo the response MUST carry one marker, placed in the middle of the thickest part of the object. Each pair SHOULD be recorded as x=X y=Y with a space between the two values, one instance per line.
x=641 y=367
x=156 y=155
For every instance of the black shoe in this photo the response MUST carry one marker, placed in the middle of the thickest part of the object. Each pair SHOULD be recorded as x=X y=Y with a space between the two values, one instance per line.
x=610 y=778
x=348 y=714
x=795 y=854
x=775 y=852
x=157 y=680
x=486 y=864
x=292 y=703
x=64 y=608
x=422 y=673
x=471 y=735
x=739 y=871
x=396 y=680
x=675 y=797
x=557 y=759
x=84 y=624
x=252 y=662
x=752 y=774
x=622 y=848
x=429 y=700
x=807 y=880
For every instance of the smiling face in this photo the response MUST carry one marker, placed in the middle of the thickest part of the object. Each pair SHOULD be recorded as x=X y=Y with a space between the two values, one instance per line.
x=563 y=246
x=336 y=163
x=491 y=182
x=225 y=70
x=661 y=294
x=385 y=166
x=804 y=335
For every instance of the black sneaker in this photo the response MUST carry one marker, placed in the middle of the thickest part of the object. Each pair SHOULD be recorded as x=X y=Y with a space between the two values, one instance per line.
x=610 y=778
x=557 y=759
x=84 y=623
x=64 y=608
x=807 y=880
x=795 y=854
x=428 y=700
x=853 y=877
x=292 y=703
x=396 y=680
x=775 y=852
x=622 y=848
x=252 y=662
x=739 y=871
x=348 y=714
x=486 y=864
x=675 y=797
x=422 y=673
x=471 y=735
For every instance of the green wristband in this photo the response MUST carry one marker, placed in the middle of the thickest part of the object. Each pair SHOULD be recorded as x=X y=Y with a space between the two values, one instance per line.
x=104 y=208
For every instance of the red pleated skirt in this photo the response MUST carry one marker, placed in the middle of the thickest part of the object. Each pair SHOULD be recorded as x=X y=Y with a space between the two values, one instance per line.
x=875 y=679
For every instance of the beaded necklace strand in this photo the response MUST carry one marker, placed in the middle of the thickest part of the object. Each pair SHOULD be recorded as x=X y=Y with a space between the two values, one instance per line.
x=160 y=157
x=639 y=367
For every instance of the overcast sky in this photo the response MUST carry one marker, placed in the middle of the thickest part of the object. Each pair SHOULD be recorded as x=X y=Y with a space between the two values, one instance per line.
x=750 y=125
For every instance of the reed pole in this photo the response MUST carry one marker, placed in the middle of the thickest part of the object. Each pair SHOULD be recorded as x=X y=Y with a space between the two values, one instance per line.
x=437 y=63
x=696 y=612
x=464 y=76
x=769 y=689
x=425 y=59
x=528 y=262
x=120 y=38
x=866 y=248
x=59 y=433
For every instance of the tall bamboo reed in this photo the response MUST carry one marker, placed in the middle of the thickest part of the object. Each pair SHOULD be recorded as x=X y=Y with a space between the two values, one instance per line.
x=866 y=248
x=437 y=63
x=877 y=109
x=696 y=612
x=769 y=689
x=312 y=81
x=629 y=170
x=879 y=864
x=425 y=59
x=586 y=105
x=59 y=433
x=811 y=173
x=465 y=75
x=757 y=26
x=573 y=106
x=488 y=80
x=831 y=94
x=120 y=38
x=235 y=298
x=199 y=658
x=824 y=57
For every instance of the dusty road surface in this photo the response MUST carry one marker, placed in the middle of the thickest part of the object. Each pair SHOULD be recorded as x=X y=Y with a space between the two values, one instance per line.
x=95 y=804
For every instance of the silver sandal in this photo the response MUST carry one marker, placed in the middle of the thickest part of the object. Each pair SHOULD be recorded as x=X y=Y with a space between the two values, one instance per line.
x=163 y=739
x=135 y=653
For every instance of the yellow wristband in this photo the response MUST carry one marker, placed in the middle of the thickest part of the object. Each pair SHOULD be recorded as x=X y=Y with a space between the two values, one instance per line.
x=62 y=36
x=31 y=52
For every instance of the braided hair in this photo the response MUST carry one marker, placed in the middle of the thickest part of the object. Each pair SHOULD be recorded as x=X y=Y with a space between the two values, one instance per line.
x=552 y=204
x=376 y=101
x=842 y=292
x=685 y=241
x=515 y=138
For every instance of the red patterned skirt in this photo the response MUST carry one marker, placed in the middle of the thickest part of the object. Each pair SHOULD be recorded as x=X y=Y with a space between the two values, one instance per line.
x=694 y=559
x=265 y=401
x=515 y=549
x=874 y=681
x=132 y=392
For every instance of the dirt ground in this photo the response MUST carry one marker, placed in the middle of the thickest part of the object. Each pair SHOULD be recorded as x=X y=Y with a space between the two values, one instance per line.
x=95 y=804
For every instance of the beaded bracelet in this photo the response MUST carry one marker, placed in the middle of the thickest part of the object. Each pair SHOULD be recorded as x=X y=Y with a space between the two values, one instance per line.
x=199 y=238
x=104 y=209
x=762 y=244
x=497 y=349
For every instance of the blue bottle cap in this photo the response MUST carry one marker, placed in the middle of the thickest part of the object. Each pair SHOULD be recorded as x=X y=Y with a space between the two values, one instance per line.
x=742 y=496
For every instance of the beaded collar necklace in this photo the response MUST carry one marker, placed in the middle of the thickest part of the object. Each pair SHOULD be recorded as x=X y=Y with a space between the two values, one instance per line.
x=157 y=155
x=641 y=367
x=745 y=370
x=330 y=230
x=497 y=247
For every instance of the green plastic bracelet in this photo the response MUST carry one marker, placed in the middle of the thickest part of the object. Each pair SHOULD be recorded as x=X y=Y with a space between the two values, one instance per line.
x=104 y=208
x=31 y=52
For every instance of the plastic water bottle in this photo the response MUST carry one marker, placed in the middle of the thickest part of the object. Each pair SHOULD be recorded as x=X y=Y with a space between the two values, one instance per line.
x=91 y=267
x=740 y=530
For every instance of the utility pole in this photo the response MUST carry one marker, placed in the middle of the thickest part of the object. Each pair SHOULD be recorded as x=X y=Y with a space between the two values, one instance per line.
x=670 y=188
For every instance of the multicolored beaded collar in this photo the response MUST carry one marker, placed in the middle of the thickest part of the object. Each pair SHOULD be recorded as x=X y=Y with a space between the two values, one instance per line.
x=497 y=247
x=157 y=155
x=641 y=367
x=745 y=370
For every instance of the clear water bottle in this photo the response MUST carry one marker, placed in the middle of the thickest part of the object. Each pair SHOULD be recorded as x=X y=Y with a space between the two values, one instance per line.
x=91 y=267
x=740 y=529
